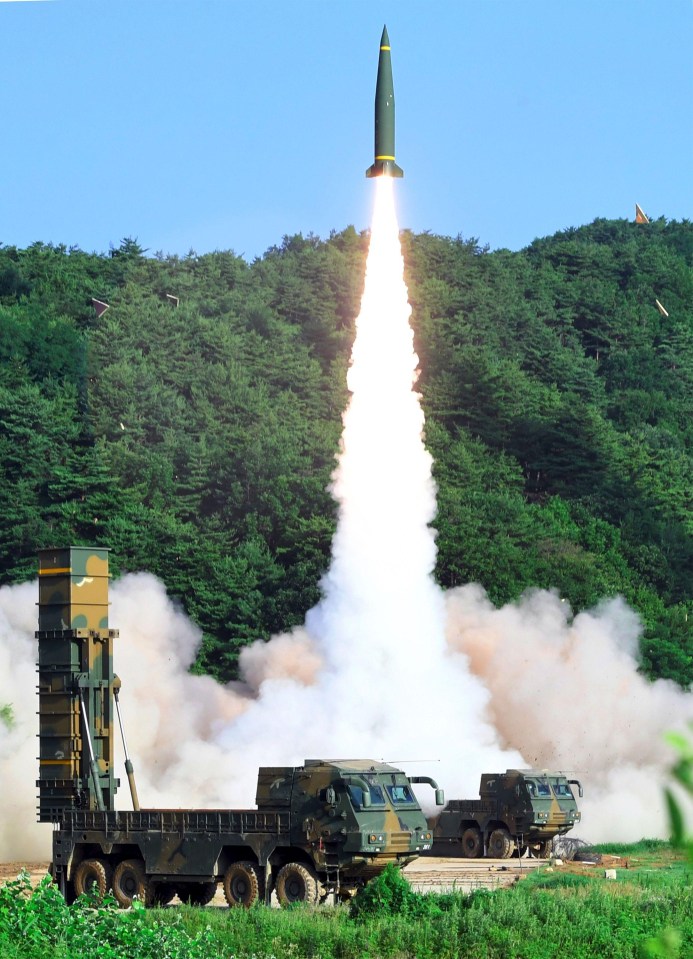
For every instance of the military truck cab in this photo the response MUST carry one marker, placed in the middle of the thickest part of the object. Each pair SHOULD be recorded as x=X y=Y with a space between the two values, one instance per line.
x=352 y=817
x=517 y=811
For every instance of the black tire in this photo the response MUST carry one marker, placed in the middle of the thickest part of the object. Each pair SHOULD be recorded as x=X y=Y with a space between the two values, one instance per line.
x=544 y=849
x=472 y=844
x=296 y=882
x=130 y=882
x=243 y=884
x=196 y=893
x=163 y=893
x=500 y=845
x=92 y=877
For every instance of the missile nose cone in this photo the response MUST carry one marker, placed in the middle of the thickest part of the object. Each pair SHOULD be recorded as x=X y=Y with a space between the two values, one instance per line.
x=384 y=40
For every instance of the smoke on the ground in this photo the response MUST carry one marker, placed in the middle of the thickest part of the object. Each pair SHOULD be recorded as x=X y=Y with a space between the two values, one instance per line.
x=560 y=692
x=565 y=691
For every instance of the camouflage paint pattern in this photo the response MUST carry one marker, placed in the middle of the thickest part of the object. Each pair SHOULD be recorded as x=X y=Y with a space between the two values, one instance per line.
x=75 y=666
x=328 y=815
x=532 y=805
x=312 y=814
x=344 y=819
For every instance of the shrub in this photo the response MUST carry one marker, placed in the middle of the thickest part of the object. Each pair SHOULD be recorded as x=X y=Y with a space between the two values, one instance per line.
x=39 y=922
x=389 y=894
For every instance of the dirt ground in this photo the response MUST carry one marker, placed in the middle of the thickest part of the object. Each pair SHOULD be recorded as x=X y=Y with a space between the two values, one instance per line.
x=10 y=870
x=433 y=874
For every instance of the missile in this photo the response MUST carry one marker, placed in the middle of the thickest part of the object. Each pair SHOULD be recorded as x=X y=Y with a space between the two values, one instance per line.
x=384 y=161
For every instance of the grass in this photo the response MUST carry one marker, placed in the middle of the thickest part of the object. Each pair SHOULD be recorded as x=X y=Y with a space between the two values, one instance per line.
x=644 y=847
x=561 y=913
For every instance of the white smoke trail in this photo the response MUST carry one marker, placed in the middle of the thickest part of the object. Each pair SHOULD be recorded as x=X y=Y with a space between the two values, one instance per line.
x=386 y=665
x=386 y=680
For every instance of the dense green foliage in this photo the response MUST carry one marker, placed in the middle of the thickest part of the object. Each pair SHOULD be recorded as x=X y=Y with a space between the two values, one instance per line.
x=682 y=775
x=38 y=923
x=544 y=916
x=622 y=849
x=197 y=441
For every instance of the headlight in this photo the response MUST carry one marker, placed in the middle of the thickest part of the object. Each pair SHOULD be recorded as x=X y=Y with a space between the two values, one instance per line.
x=374 y=837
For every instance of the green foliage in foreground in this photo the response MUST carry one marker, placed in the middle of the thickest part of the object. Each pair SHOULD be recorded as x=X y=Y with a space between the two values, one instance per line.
x=682 y=774
x=40 y=923
x=388 y=919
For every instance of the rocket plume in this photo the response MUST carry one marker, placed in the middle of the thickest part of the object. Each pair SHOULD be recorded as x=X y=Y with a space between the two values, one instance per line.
x=386 y=666
x=380 y=598
x=379 y=631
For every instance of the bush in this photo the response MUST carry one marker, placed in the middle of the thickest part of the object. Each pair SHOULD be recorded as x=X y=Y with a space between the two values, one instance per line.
x=389 y=894
x=38 y=922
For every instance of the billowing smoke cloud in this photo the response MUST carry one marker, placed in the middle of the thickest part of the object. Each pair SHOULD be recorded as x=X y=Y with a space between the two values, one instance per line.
x=566 y=693
x=386 y=666
x=20 y=836
x=563 y=692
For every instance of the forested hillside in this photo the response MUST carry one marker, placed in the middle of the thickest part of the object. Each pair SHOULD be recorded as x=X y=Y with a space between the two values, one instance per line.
x=197 y=440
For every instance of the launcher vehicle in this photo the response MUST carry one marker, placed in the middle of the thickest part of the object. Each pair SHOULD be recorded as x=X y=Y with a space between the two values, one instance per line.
x=325 y=827
x=518 y=811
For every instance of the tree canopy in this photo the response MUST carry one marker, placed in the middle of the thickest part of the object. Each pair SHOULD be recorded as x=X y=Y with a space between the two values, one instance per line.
x=193 y=425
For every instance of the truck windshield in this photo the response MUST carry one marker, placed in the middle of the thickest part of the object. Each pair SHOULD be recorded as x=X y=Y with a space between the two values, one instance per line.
x=356 y=795
x=563 y=791
x=400 y=794
x=538 y=788
x=377 y=795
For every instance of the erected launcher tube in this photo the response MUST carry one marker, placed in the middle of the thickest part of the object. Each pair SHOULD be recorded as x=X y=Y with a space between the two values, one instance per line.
x=75 y=667
x=128 y=765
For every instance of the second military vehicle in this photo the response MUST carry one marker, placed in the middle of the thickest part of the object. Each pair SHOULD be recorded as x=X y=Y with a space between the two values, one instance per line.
x=518 y=811
x=324 y=827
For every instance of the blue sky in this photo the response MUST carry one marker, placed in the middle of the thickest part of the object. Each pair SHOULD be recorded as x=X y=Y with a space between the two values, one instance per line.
x=216 y=124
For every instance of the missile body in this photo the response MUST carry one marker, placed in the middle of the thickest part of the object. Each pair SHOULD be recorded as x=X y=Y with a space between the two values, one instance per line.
x=384 y=162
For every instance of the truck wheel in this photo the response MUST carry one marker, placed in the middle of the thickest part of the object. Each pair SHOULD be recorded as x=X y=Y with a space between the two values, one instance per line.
x=92 y=877
x=242 y=884
x=163 y=893
x=296 y=883
x=130 y=882
x=472 y=845
x=500 y=845
x=544 y=850
x=196 y=893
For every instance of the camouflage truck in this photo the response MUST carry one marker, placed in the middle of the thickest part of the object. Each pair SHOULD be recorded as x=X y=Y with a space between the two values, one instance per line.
x=518 y=811
x=324 y=827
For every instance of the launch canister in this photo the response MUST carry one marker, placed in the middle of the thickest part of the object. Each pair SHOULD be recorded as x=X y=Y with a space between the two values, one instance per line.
x=384 y=163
